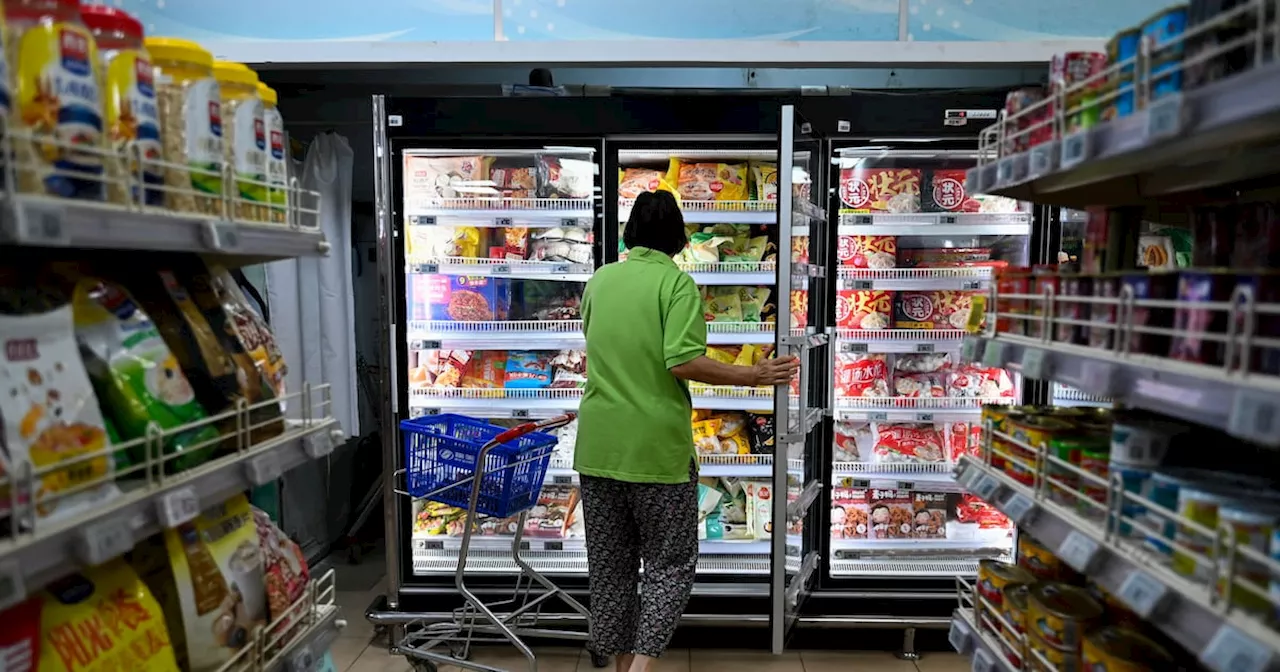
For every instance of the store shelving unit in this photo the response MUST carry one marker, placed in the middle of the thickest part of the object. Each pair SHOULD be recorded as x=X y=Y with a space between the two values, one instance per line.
x=976 y=631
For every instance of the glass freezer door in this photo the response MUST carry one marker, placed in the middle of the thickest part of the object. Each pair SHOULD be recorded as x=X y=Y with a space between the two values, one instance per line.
x=800 y=407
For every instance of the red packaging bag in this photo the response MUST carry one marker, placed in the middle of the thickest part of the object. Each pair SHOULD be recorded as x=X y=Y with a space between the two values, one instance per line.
x=891 y=514
x=897 y=443
x=944 y=192
x=869 y=252
x=864 y=309
x=915 y=385
x=979 y=382
x=893 y=190
x=861 y=375
x=963 y=438
x=933 y=309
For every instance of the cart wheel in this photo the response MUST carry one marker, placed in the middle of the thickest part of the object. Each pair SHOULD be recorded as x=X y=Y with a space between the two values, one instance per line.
x=599 y=660
x=423 y=666
x=460 y=650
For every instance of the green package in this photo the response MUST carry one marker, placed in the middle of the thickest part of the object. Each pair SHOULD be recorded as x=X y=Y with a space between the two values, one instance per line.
x=137 y=379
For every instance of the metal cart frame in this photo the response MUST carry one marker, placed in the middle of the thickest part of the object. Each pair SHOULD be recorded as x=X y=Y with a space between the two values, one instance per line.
x=475 y=617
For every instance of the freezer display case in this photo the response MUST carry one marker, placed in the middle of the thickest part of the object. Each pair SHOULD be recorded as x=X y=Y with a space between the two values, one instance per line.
x=915 y=253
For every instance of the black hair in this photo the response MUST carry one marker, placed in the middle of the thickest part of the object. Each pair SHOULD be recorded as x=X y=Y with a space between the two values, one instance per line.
x=656 y=223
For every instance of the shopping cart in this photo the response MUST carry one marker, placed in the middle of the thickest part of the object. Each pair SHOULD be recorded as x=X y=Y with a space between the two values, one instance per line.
x=488 y=471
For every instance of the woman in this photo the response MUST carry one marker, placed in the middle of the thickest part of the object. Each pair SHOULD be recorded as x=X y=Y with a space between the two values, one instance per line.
x=646 y=336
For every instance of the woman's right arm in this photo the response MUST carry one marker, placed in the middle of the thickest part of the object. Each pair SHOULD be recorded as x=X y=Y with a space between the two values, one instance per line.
x=767 y=372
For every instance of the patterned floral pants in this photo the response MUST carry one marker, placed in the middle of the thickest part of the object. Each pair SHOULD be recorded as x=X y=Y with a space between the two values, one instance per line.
x=627 y=523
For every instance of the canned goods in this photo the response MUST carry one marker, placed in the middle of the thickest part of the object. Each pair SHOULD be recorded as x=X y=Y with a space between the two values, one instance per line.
x=1199 y=505
x=1105 y=286
x=1123 y=48
x=1096 y=460
x=1117 y=612
x=1061 y=614
x=1058 y=660
x=1040 y=561
x=1066 y=309
x=1141 y=442
x=1162 y=33
x=1014 y=606
x=1114 y=649
x=1150 y=286
x=994 y=576
x=1254 y=526
x=1134 y=480
x=1033 y=431
x=1076 y=75
x=1068 y=449
x=1192 y=322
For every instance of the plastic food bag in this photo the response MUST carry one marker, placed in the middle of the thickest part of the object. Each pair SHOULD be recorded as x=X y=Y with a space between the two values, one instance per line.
x=429 y=180
x=861 y=375
x=569 y=369
x=930 y=362
x=908 y=443
x=760 y=429
x=709 y=181
x=706 y=436
x=137 y=378
x=528 y=369
x=723 y=305
x=635 y=181
x=765 y=180
x=565 y=178
x=919 y=384
x=487 y=370
x=854 y=441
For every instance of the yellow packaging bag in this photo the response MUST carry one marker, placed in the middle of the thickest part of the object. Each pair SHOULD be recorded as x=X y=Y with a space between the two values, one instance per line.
x=104 y=620
x=708 y=181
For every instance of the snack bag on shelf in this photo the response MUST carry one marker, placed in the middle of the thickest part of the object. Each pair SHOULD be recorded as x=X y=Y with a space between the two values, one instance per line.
x=850 y=513
x=528 y=369
x=208 y=576
x=800 y=249
x=515 y=181
x=137 y=378
x=799 y=308
x=734 y=436
x=568 y=442
x=979 y=381
x=858 y=375
x=709 y=181
x=749 y=355
x=61 y=629
x=764 y=181
x=854 y=441
x=760 y=430
x=430 y=243
x=864 y=309
x=50 y=415
x=893 y=190
x=429 y=180
x=286 y=572
x=708 y=503
x=929 y=515
x=252 y=329
x=745 y=249
x=487 y=370
x=570 y=244
x=553 y=513
x=944 y=192
x=891 y=513
x=515 y=243
x=760 y=509
x=915 y=385
x=723 y=304
x=725 y=354
x=635 y=181
x=902 y=442
x=569 y=369
x=732 y=524
x=565 y=178
x=867 y=252
x=963 y=438
x=465 y=298
x=932 y=309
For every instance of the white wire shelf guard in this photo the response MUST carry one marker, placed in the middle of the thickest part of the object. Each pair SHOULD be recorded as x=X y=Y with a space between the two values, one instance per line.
x=497 y=335
x=133 y=215
x=1101 y=358
x=296 y=639
x=1038 y=155
x=716 y=212
x=925 y=567
x=725 y=333
x=35 y=550
x=898 y=471
x=860 y=341
x=964 y=278
x=1203 y=586
x=936 y=224
x=569 y=563
x=512 y=268
x=980 y=631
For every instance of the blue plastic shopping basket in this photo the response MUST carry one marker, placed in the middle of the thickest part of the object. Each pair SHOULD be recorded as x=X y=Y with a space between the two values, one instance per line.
x=441 y=450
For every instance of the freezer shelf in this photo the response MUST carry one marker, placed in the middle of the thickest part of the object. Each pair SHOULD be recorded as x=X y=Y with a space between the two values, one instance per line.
x=904 y=568
x=899 y=341
x=732 y=558
x=500 y=212
x=1224 y=638
x=513 y=403
x=553 y=334
x=912 y=409
x=501 y=268
x=914 y=279
x=716 y=212
x=954 y=225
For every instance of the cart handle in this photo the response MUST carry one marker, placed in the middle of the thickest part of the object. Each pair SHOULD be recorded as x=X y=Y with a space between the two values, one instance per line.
x=520 y=430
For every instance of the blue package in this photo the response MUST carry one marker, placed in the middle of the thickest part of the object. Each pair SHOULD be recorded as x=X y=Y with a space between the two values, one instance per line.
x=528 y=370
x=1166 y=56
x=468 y=298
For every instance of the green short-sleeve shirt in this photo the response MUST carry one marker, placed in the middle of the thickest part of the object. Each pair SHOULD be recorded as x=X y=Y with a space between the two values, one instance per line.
x=642 y=317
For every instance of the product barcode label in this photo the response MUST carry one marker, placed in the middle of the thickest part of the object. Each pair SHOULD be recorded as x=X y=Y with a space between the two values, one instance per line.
x=1145 y=595
x=105 y=540
x=520 y=413
x=877 y=416
x=1075 y=148
x=44 y=225
x=423 y=220
x=1035 y=364
x=433 y=545
x=985 y=488
x=502 y=221
x=843 y=126
x=1165 y=117
x=924 y=347
x=424 y=268
x=993 y=354
x=560 y=268
x=924 y=417
x=861 y=284
x=553 y=546
x=178 y=507
x=948 y=219
x=263 y=469
x=1078 y=550
x=857 y=348
x=1019 y=508
x=562 y=480
x=971 y=284
x=1232 y=651
x=1253 y=417
x=958 y=636
x=500 y=269
x=13 y=588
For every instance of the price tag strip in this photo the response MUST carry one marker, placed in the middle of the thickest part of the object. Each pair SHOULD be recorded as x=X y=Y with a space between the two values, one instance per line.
x=1233 y=651
x=1075 y=149
x=1019 y=508
x=263 y=469
x=1253 y=417
x=960 y=637
x=993 y=355
x=178 y=506
x=105 y=540
x=1145 y=595
x=985 y=487
x=1079 y=551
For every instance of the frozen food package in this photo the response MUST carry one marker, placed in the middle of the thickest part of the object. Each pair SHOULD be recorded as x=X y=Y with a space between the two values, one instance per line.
x=547 y=300
x=764 y=180
x=553 y=513
x=432 y=519
x=709 y=181
x=745 y=249
x=137 y=379
x=861 y=375
x=979 y=381
x=752 y=301
x=515 y=243
x=760 y=429
x=929 y=514
x=799 y=309
x=515 y=182
x=468 y=298
x=944 y=192
x=869 y=252
x=854 y=441
x=760 y=509
x=919 y=384
x=706 y=436
x=565 y=178
x=722 y=304
x=891 y=513
x=487 y=370
x=943 y=257
x=429 y=180
x=51 y=415
x=889 y=190
x=635 y=181
x=932 y=309
x=528 y=369
x=800 y=249
x=850 y=513
x=207 y=575
x=867 y=309
x=568 y=244
x=963 y=438
x=896 y=443
x=922 y=362
x=569 y=369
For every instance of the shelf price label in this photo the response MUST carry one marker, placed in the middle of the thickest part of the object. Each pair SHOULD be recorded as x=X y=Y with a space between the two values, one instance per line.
x=1165 y=117
x=433 y=545
x=424 y=268
x=502 y=221
x=43 y=223
x=959 y=636
x=519 y=413
x=1079 y=551
x=861 y=284
x=863 y=220
x=570 y=221
x=971 y=284
x=553 y=546
x=1035 y=364
x=924 y=347
x=422 y=220
x=878 y=416
x=1075 y=148
x=560 y=269
x=263 y=469
x=924 y=417
x=985 y=487
x=1233 y=651
x=857 y=348
x=221 y=236
x=1004 y=172
x=178 y=506
x=1043 y=159
x=948 y=219
x=105 y=540
x=562 y=480
x=1145 y=595
x=1097 y=377
x=13 y=588
x=969 y=477
x=993 y=354
x=318 y=445
x=1019 y=508
x=982 y=661
x=1253 y=417
x=500 y=269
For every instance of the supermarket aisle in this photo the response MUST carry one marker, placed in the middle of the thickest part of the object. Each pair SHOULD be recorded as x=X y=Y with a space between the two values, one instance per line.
x=356 y=650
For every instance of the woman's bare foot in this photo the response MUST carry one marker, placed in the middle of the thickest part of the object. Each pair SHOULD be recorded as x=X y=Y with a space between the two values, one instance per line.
x=622 y=663
x=641 y=664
